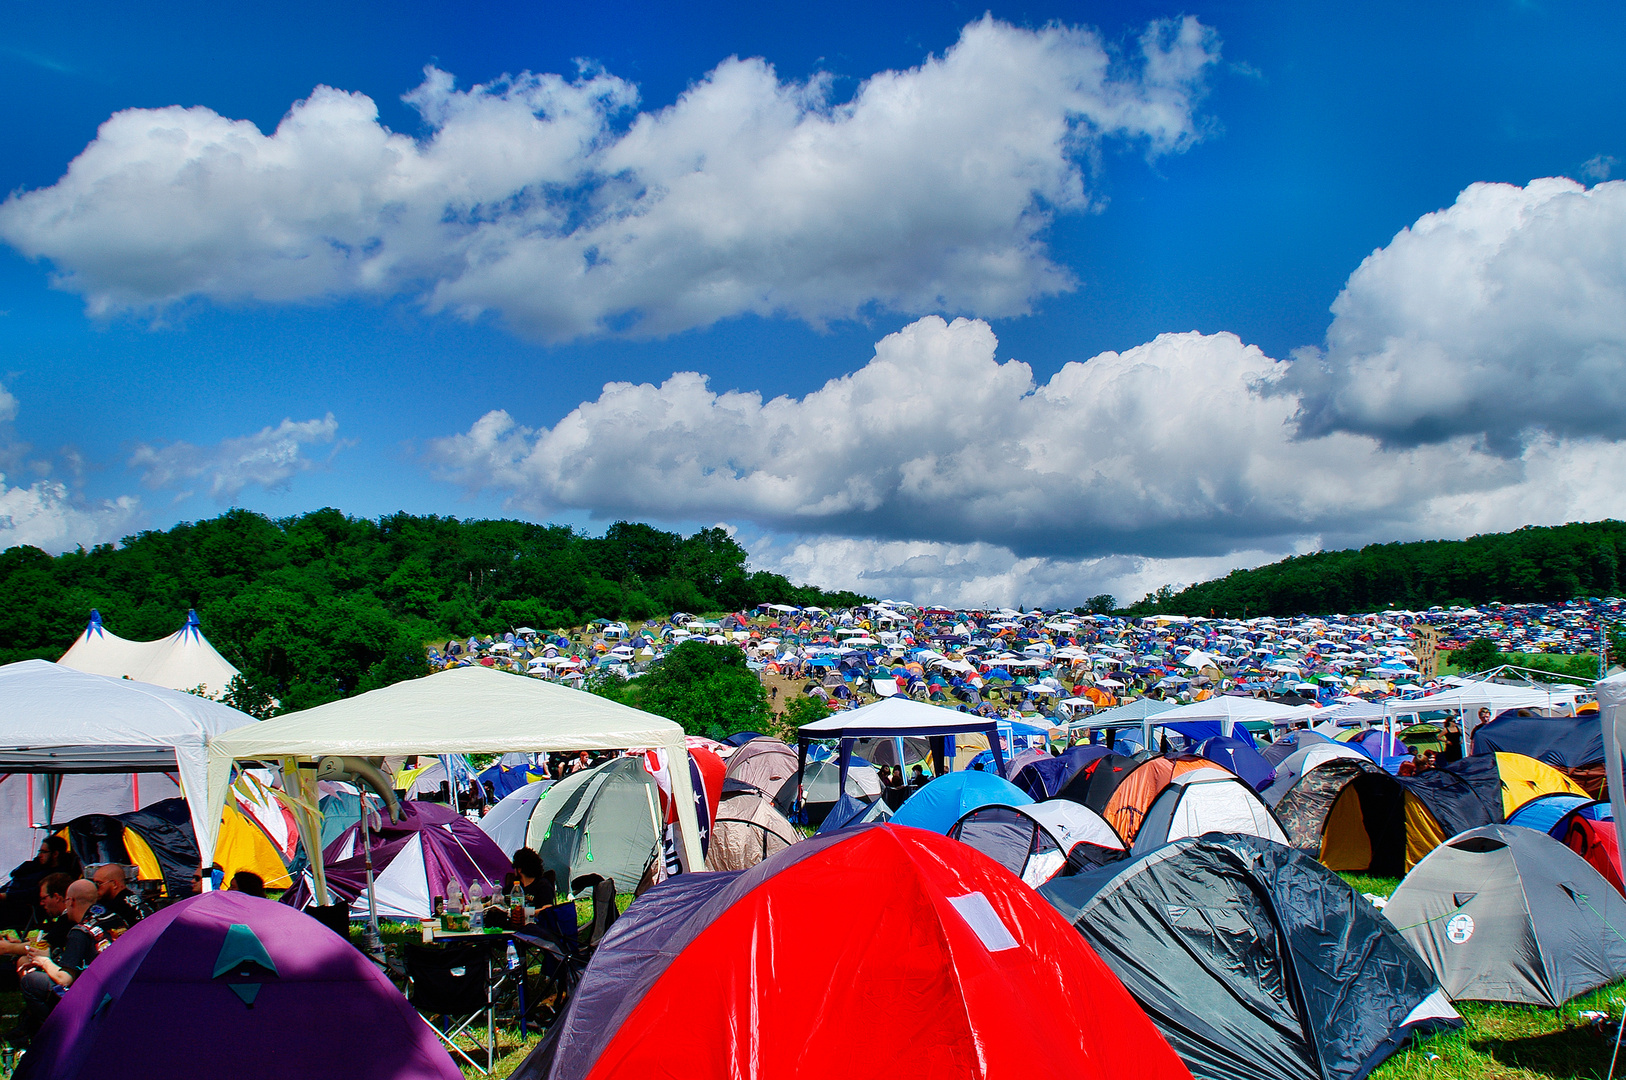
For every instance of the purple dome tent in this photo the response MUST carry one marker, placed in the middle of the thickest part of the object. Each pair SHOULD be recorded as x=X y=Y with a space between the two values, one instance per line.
x=414 y=860
x=226 y=983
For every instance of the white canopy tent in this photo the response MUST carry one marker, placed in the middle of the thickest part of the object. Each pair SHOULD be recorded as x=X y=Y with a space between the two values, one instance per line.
x=183 y=661
x=59 y=721
x=1230 y=711
x=896 y=717
x=464 y=710
x=1612 y=714
x=1478 y=694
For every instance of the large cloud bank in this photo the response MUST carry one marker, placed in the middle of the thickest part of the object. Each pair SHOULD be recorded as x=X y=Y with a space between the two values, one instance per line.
x=1503 y=313
x=1478 y=396
x=553 y=202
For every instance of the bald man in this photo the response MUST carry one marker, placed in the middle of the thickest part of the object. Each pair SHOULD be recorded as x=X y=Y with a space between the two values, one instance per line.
x=46 y=976
x=115 y=896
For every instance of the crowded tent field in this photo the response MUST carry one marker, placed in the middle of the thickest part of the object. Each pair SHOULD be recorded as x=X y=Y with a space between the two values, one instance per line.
x=1077 y=845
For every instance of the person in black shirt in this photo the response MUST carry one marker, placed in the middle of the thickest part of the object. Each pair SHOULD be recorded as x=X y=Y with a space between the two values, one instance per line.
x=539 y=884
x=22 y=892
x=46 y=976
x=115 y=896
x=1452 y=738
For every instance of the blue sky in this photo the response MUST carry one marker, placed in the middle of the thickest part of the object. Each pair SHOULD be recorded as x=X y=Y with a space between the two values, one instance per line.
x=1229 y=182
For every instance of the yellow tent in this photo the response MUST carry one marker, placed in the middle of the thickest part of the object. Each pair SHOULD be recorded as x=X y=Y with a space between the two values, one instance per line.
x=243 y=846
x=1524 y=778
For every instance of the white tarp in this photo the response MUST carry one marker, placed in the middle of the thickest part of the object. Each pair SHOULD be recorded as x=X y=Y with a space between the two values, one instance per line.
x=57 y=720
x=471 y=710
x=183 y=661
x=1612 y=711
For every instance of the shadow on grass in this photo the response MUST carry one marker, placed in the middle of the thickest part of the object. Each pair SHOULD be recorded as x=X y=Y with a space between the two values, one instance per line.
x=1576 y=1053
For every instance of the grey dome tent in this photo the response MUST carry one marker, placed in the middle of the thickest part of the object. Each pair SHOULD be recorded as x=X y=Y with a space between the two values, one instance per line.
x=764 y=762
x=1036 y=842
x=604 y=821
x=819 y=793
x=1503 y=913
x=1195 y=803
x=747 y=829
x=1253 y=960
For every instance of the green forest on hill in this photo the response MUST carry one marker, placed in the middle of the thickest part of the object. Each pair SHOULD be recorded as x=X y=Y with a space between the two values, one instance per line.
x=319 y=606
x=1533 y=564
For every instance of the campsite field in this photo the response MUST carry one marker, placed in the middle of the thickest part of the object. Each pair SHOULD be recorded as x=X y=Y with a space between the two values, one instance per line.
x=1500 y=1042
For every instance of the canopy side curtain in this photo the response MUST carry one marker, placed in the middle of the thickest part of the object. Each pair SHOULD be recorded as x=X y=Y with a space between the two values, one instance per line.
x=936 y=736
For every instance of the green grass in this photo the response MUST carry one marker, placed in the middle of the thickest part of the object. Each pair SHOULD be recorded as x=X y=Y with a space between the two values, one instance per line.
x=1507 y=1042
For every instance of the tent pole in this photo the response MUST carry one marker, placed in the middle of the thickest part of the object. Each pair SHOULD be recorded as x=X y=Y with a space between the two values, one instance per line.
x=374 y=943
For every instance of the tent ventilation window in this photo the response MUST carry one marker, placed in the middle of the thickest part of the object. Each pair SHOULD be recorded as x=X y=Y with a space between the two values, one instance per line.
x=1480 y=844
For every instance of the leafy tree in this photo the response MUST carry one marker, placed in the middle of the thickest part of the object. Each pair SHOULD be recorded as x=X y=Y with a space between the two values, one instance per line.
x=803 y=709
x=1533 y=564
x=1104 y=604
x=1480 y=654
x=246 y=696
x=319 y=606
x=706 y=688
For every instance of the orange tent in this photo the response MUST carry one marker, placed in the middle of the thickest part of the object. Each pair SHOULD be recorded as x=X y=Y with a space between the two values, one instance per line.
x=1142 y=784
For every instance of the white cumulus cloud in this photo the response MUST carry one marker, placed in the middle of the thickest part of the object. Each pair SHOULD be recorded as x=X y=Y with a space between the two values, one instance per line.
x=269 y=458
x=1497 y=317
x=48 y=515
x=979 y=575
x=1180 y=447
x=554 y=203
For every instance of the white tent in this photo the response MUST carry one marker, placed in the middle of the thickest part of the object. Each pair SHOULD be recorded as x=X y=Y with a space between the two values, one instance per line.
x=1230 y=711
x=60 y=721
x=464 y=710
x=183 y=661
x=507 y=821
x=1478 y=694
x=894 y=717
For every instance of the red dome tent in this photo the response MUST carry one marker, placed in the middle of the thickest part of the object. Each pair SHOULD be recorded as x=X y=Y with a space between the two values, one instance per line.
x=949 y=967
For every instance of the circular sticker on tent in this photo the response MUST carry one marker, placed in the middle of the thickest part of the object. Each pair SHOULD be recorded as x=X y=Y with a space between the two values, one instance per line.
x=1460 y=928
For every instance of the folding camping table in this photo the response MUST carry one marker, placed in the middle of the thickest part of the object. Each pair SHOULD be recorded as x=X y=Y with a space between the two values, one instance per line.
x=492 y=940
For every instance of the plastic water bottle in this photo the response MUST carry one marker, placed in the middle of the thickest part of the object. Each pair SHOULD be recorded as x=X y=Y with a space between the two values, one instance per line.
x=454 y=898
x=516 y=905
x=477 y=907
x=513 y=957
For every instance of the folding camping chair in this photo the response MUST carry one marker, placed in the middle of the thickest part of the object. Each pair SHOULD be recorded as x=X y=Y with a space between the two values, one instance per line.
x=604 y=912
x=454 y=982
x=565 y=947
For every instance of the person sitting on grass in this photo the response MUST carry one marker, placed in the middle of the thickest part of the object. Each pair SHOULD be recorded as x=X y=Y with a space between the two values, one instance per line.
x=46 y=976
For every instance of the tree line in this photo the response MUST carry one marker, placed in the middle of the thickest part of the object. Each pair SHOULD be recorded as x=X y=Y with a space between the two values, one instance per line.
x=324 y=605
x=1531 y=565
